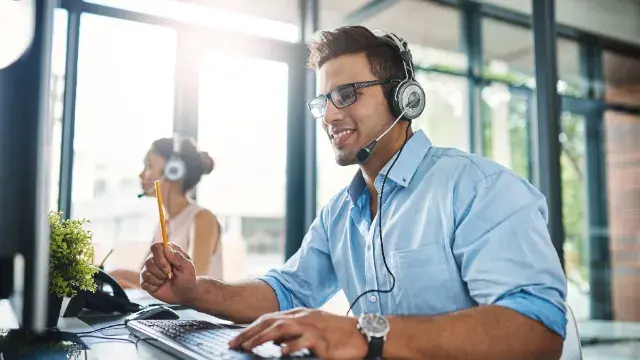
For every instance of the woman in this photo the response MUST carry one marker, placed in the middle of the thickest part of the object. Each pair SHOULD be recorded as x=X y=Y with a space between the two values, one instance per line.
x=188 y=224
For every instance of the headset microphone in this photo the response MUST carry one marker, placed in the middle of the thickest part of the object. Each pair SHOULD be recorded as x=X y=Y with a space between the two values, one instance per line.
x=149 y=190
x=363 y=154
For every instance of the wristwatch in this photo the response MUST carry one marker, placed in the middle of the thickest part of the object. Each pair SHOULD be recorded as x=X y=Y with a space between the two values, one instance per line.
x=375 y=328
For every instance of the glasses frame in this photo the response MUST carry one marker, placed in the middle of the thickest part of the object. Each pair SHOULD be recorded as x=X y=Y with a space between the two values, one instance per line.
x=355 y=85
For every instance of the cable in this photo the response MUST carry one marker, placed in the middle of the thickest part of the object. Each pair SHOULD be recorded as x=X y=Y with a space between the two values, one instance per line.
x=112 y=338
x=384 y=259
x=100 y=329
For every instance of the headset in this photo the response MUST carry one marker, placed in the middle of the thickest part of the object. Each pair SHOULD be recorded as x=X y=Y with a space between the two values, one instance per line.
x=403 y=101
x=174 y=169
x=406 y=100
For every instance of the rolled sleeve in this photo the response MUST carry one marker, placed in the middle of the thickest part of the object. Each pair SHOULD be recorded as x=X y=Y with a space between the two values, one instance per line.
x=537 y=308
x=308 y=278
x=505 y=253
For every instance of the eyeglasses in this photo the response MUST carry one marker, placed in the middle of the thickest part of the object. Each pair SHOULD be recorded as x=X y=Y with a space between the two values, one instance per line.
x=341 y=97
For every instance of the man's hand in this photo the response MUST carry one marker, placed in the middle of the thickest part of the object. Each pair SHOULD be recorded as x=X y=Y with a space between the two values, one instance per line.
x=181 y=287
x=328 y=336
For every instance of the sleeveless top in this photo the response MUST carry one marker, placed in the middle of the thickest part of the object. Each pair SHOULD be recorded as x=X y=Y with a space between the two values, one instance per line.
x=181 y=231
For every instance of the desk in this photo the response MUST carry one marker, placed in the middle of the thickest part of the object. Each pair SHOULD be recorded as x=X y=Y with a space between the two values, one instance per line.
x=100 y=349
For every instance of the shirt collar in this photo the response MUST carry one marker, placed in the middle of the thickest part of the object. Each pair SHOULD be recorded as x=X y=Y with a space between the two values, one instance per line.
x=403 y=170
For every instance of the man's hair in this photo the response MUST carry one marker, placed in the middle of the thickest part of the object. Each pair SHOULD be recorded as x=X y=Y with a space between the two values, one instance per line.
x=384 y=59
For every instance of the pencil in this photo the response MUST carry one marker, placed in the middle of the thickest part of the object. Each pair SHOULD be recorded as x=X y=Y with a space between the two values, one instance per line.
x=163 y=226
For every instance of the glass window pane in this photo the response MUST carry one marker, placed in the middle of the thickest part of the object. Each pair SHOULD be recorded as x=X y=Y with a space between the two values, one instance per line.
x=571 y=81
x=602 y=260
x=125 y=98
x=58 y=58
x=246 y=194
x=622 y=163
x=508 y=52
x=576 y=245
x=333 y=12
x=622 y=79
x=506 y=117
x=275 y=19
x=445 y=118
x=430 y=49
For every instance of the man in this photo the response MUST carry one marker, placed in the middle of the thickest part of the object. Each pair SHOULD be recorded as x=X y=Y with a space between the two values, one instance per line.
x=464 y=249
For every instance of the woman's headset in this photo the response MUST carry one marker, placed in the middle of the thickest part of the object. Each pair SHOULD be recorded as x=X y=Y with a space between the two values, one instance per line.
x=175 y=168
x=404 y=95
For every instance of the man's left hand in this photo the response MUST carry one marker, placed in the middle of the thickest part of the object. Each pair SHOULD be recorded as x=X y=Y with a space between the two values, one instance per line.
x=326 y=335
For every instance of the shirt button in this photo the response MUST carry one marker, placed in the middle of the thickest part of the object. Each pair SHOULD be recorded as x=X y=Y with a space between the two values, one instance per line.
x=373 y=298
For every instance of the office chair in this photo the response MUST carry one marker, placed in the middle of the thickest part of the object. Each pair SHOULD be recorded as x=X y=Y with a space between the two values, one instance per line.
x=571 y=348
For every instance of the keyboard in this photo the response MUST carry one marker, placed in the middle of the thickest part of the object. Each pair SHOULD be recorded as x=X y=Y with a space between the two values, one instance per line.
x=202 y=340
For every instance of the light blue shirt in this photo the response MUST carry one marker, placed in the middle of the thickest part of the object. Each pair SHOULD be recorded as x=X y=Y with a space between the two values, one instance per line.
x=459 y=231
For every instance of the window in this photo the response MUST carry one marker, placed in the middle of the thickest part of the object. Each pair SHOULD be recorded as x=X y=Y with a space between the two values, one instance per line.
x=125 y=95
x=571 y=81
x=445 y=118
x=622 y=79
x=275 y=19
x=58 y=59
x=508 y=53
x=246 y=191
x=622 y=158
x=415 y=21
x=506 y=117
x=574 y=205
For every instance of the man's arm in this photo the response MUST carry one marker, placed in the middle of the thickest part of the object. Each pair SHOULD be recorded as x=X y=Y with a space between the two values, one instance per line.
x=487 y=332
x=241 y=302
x=307 y=279
x=506 y=258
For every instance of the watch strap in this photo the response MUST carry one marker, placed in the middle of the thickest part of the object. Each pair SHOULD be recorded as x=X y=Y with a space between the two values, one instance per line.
x=375 y=348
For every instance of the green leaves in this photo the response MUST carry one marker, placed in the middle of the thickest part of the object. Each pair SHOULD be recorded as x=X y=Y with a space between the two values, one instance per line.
x=71 y=266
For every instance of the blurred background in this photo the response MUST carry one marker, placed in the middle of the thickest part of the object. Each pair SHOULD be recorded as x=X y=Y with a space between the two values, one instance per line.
x=231 y=74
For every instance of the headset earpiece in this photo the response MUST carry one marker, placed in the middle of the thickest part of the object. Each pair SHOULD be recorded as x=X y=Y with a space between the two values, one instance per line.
x=175 y=169
x=404 y=95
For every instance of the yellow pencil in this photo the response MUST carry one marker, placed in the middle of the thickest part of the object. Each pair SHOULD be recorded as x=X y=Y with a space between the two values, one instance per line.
x=163 y=226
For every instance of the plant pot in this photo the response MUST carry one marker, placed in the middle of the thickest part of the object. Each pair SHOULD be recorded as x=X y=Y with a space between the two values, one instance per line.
x=53 y=310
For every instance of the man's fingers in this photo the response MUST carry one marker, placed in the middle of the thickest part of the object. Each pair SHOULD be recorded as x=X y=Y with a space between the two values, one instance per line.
x=146 y=277
x=150 y=266
x=307 y=341
x=177 y=248
x=157 y=250
x=177 y=260
x=254 y=329
x=149 y=288
x=281 y=331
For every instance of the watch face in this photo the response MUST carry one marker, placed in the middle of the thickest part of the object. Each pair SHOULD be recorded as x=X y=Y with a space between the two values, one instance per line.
x=374 y=325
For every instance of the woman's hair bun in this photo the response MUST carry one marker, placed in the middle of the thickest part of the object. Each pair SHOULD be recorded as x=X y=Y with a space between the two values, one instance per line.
x=207 y=162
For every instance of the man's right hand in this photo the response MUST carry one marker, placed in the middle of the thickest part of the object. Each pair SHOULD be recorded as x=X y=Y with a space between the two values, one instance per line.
x=181 y=287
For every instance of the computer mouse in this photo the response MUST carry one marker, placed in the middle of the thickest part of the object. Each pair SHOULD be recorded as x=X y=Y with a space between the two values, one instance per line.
x=153 y=313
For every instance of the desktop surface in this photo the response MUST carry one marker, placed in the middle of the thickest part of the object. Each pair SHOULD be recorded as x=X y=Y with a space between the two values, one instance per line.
x=83 y=339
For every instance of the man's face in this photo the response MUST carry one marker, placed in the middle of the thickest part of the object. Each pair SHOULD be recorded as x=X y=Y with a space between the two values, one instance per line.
x=353 y=127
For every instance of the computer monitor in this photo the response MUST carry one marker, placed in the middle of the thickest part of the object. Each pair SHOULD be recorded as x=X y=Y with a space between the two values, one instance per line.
x=25 y=141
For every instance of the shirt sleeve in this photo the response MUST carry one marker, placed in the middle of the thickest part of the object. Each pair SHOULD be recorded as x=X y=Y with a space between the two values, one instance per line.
x=505 y=253
x=308 y=278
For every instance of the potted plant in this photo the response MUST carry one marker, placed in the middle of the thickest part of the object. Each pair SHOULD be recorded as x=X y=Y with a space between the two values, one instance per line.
x=71 y=266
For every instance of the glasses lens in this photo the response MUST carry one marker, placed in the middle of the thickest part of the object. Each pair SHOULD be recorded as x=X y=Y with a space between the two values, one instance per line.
x=318 y=106
x=344 y=96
